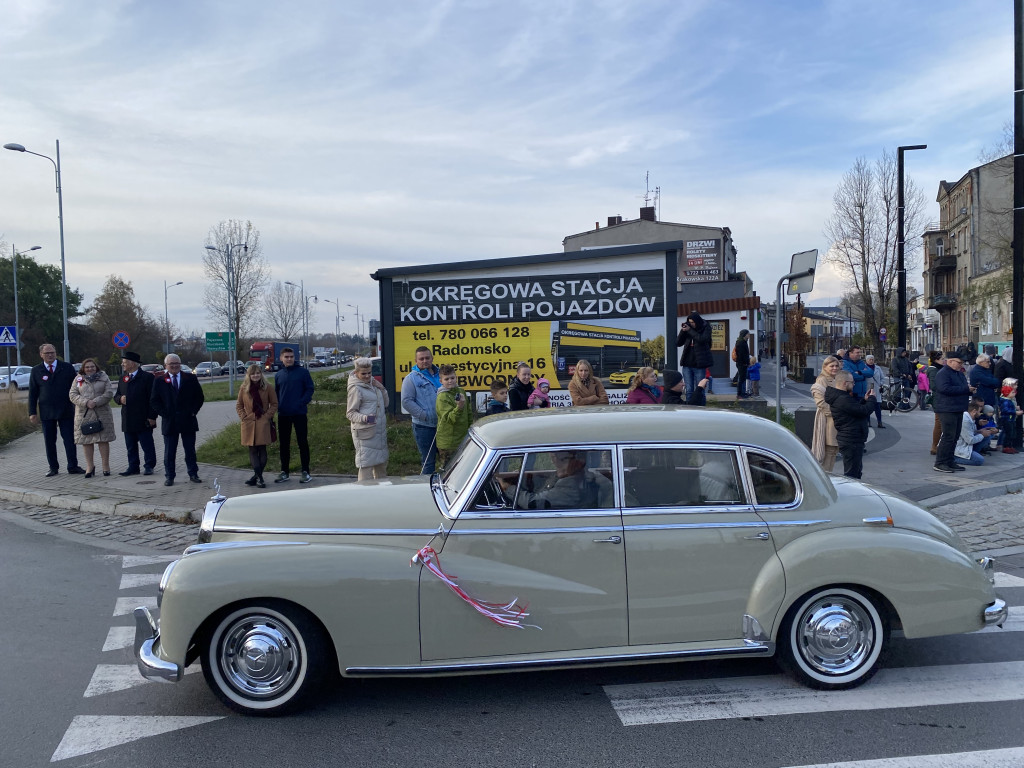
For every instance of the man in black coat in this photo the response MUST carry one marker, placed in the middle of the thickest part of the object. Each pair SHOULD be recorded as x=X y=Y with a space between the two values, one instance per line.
x=695 y=339
x=742 y=350
x=138 y=417
x=177 y=398
x=951 y=395
x=851 y=415
x=48 y=388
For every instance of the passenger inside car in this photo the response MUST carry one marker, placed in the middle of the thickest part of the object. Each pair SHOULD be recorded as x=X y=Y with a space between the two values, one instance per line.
x=561 y=480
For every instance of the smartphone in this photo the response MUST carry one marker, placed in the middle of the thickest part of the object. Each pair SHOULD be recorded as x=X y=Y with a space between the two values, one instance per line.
x=371 y=419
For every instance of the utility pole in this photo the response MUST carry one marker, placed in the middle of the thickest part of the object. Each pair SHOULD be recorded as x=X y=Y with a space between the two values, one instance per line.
x=901 y=269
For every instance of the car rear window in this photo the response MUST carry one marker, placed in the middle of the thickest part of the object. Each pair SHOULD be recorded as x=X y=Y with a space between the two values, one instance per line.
x=680 y=477
x=773 y=482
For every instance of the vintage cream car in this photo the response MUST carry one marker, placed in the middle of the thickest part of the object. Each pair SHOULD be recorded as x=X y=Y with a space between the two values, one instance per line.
x=564 y=537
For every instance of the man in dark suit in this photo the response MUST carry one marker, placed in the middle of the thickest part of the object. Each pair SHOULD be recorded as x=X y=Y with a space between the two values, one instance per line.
x=138 y=417
x=177 y=398
x=48 y=389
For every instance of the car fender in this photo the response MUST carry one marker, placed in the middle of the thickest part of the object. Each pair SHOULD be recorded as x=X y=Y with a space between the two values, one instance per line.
x=934 y=588
x=365 y=595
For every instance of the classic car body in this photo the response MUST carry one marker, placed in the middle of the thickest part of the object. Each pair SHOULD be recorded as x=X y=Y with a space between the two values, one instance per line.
x=693 y=534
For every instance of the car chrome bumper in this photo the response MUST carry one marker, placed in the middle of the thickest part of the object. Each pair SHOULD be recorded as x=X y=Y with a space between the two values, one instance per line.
x=996 y=613
x=147 y=633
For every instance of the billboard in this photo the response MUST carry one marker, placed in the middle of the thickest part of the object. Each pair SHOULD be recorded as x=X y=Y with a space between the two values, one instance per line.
x=700 y=261
x=547 y=317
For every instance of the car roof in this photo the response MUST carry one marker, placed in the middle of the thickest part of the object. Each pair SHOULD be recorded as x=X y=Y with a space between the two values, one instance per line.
x=633 y=424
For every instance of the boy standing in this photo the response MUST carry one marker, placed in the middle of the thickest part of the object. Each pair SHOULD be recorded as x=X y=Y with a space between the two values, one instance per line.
x=498 y=401
x=453 y=415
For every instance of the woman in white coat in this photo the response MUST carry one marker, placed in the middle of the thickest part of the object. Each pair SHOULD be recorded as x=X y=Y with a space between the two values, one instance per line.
x=91 y=392
x=367 y=412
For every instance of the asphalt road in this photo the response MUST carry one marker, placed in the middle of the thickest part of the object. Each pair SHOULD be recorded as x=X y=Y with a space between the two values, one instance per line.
x=68 y=702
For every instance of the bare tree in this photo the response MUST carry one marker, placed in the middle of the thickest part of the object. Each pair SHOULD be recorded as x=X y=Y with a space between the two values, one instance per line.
x=998 y=148
x=862 y=232
x=284 y=311
x=238 y=243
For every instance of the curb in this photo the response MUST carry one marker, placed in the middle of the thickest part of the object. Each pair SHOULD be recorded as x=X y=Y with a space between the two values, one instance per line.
x=100 y=505
x=974 y=494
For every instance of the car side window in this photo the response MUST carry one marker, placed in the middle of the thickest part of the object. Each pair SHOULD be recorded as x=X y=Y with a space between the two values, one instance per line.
x=773 y=483
x=680 y=477
x=564 y=480
x=493 y=494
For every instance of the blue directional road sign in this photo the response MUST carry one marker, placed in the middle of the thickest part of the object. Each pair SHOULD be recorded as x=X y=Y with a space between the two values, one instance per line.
x=121 y=339
x=8 y=336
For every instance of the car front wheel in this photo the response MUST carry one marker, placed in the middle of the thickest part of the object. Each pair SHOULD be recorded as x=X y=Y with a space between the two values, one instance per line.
x=832 y=639
x=265 y=658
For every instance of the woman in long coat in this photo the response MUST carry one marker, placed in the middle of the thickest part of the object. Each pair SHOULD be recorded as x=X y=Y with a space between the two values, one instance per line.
x=367 y=410
x=585 y=388
x=825 y=443
x=256 y=406
x=91 y=392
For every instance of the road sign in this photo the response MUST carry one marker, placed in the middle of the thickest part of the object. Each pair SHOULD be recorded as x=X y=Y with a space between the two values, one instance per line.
x=802 y=262
x=8 y=336
x=121 y=339
x=220 y=341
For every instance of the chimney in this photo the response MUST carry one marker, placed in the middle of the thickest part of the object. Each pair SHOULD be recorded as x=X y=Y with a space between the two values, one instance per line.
x=613 y=220
x=647 y=214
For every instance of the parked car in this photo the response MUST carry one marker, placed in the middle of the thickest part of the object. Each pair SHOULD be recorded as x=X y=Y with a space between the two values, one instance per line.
x=317 y=362
x=240 y=368
x=155 y=368
x=15 y=377
x=186 y=369
x=625 y=376
x=207 y=368
x=559 y=538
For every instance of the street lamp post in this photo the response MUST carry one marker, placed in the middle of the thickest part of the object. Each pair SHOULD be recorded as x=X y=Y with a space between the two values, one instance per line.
x=14 y=260
x=337 y=323
x=305 y=313
x=232 y=306
x=60 y=219
x=167 y=322
x=356 y=308
x=901 y=270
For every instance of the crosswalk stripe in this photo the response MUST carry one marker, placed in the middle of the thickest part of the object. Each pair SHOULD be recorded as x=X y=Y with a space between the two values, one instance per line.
x=1012 y=757
x=768 y=695
x=91 y=733
x=132 y=580
x=108 y=678
x=119 y=637
x=1007 y=580
x=125 y=605
x=134 y=561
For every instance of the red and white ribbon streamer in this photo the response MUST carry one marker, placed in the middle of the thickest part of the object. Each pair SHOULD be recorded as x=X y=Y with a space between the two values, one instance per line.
x=505 y=614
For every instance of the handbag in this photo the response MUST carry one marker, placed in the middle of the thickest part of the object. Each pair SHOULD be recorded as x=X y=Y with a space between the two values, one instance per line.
x=92 y=427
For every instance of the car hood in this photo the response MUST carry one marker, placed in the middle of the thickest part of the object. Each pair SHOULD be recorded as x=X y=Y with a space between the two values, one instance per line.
x=393 y=505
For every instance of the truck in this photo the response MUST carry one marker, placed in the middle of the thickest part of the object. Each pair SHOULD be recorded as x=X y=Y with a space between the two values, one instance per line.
x=268 y=353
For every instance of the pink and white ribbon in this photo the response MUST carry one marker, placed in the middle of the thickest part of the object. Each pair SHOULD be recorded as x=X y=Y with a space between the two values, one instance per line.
x=505 y=614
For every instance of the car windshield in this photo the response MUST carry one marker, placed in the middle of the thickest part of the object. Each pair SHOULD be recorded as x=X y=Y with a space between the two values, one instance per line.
x=460 y=469
x=4 y=371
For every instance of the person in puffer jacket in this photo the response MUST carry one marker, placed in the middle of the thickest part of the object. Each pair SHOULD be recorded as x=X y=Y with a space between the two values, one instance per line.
x=539 y=398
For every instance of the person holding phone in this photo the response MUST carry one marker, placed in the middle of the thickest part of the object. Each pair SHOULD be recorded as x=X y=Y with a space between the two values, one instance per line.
x=851 y=415
x=367 y=412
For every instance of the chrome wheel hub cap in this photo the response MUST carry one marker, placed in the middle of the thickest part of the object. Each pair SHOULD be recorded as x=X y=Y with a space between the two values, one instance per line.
x=835 y=636
x=260 y=656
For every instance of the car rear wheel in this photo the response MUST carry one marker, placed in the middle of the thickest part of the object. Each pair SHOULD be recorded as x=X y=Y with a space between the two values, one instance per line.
x=265 y=658
x=832 y=639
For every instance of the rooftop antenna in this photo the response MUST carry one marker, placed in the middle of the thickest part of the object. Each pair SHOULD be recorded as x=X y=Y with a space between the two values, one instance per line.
x=647 y=192
x=657 y=201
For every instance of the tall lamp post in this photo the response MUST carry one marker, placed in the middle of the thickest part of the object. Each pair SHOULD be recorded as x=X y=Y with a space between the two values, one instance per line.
x=356 y=308
x=167 y=321
x=305 y=313
x=337 y=323
x=14 y=260
x=60 y=219
x=232 y=306
x=901 y=269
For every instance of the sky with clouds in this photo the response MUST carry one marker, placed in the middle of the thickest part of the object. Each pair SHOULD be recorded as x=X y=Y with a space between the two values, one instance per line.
x=357 y=136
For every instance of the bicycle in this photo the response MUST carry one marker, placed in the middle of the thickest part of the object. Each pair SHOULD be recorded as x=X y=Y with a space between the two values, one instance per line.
x=898 y=395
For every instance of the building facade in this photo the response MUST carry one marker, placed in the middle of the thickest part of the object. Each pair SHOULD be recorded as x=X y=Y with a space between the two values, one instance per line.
x=967 y=259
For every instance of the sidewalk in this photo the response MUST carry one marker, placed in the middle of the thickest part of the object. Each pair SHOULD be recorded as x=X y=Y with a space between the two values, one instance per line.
x=974 y=502
x=23 y=466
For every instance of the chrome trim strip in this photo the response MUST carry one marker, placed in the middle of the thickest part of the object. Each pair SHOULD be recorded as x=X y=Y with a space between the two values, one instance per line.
x=749 y=649
x=996 y=613
x=795 y=523
x=494 y=531
x=675 y=526
x=877 y=521
x=163 y=582
x=196 y=549
x=210 y=512
x=706 y=509
x=321 y=532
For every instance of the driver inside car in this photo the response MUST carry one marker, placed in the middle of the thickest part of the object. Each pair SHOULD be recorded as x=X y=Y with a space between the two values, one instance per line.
x=571 y=486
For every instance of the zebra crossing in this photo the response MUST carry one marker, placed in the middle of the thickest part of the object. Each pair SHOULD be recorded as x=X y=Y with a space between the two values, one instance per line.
x=765 y=696
x=90 y=733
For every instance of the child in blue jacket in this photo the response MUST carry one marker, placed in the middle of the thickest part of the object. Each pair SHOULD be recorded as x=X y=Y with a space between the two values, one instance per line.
x=754 y=377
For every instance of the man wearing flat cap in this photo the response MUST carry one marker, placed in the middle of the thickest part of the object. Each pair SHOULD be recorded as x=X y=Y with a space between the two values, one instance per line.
x=137 y=415
x=952 y=394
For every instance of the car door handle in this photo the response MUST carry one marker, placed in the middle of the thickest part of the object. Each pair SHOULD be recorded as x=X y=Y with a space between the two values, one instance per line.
x=760 y=537
x=609 y=540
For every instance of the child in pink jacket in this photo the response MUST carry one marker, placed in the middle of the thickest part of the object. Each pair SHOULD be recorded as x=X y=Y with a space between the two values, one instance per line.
x=539 y=398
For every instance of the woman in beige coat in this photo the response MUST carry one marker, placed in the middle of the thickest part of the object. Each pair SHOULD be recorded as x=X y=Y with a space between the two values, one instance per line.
x=256 y=406
x=91 y=392
x=825 y=443
x=367 y=412
x=585 y=388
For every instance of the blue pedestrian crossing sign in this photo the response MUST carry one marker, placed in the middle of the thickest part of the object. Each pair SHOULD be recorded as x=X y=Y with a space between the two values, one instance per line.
x=8 y=336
